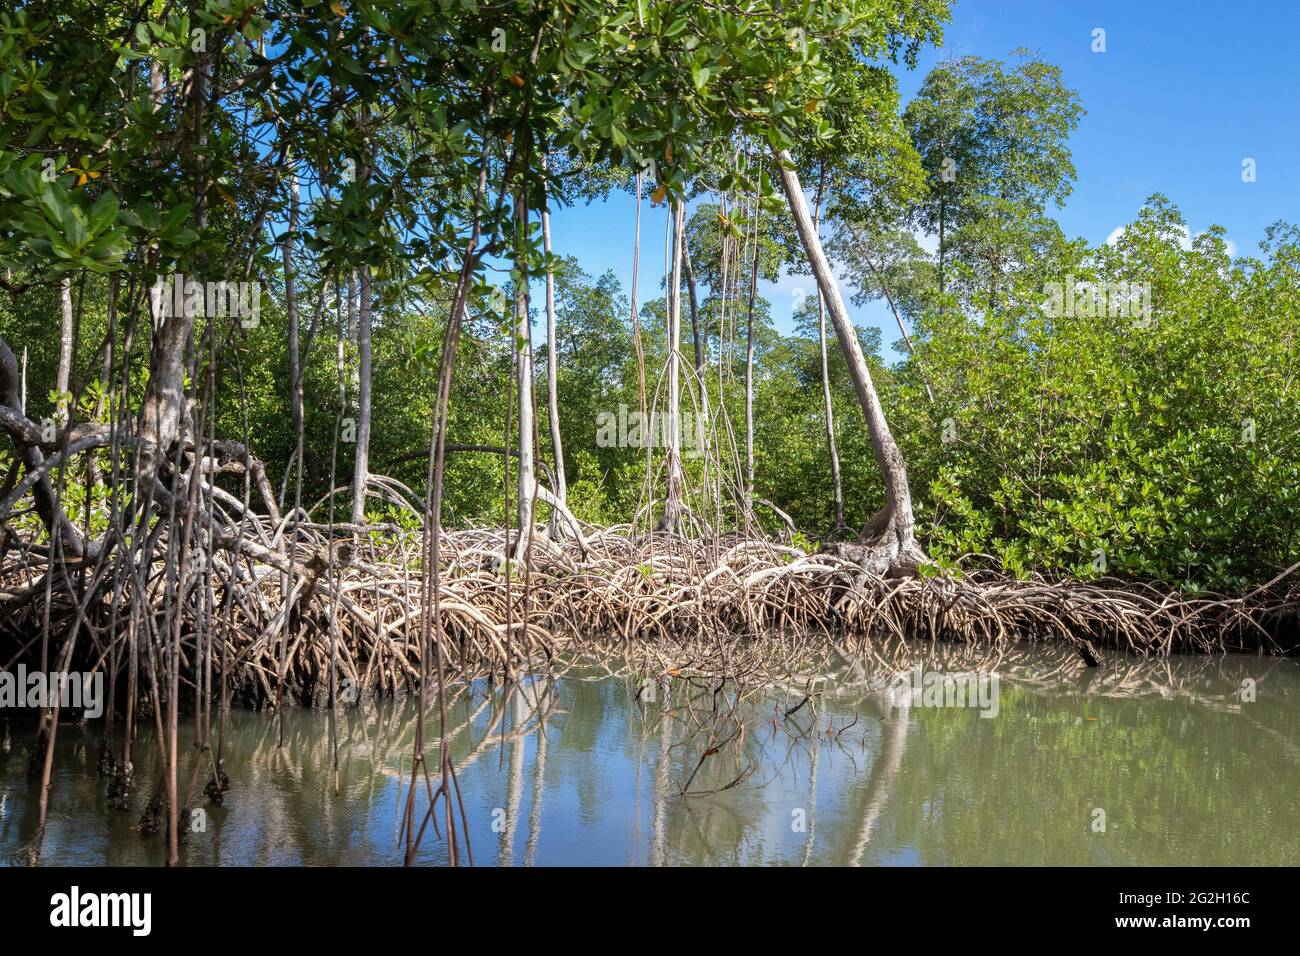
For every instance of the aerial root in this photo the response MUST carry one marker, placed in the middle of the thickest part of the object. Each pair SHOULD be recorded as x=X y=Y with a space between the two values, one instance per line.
x=637 y=591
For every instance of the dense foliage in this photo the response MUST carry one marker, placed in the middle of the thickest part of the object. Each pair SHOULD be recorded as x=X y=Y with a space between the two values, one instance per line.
x=1160 y=445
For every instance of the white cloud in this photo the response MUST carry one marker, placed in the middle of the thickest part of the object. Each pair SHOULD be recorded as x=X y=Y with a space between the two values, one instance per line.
x=1185 y=242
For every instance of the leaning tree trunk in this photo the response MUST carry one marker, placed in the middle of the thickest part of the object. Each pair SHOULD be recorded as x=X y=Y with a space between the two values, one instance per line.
x=883 y=778
x=826 y=376
x=888 y=542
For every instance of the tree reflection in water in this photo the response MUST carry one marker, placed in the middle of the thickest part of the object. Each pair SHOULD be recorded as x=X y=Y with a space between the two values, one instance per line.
x=802 y=758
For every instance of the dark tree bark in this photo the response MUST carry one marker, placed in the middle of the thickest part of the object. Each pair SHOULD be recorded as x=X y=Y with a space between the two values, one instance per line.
x=26 y=436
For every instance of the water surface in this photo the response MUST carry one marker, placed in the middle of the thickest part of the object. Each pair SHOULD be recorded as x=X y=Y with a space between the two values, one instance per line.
x=588 y=768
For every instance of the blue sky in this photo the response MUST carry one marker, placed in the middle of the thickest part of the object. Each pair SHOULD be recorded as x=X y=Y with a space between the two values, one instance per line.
x=1185 y=90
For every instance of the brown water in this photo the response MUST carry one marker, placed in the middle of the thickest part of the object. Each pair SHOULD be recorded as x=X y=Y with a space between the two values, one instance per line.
x=1186 y=768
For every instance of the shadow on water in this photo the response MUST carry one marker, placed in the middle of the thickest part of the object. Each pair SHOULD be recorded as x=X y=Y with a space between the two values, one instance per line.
x=1188 y=761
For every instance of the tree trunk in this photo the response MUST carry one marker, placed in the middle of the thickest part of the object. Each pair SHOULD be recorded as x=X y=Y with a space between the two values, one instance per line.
x=527 y=480
x=164 y=397
x=65 y=347
x=673 y=431
x=689 y=274
x=291 y=310
x=749 y=368
x=943 y=208
x=888 y=542
x=529 y=488
x=552 y=366
x=636 y=320
x=700 y=370
x=725 y=283
x=361 y=464
x=352 y=307
x=826 y=375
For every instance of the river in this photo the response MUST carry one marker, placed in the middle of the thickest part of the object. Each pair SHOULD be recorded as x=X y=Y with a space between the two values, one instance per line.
x=1189 y=761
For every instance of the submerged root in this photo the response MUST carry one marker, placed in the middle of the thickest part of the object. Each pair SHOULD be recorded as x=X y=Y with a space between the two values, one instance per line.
x=217 y=786
x=154 y=817
x=119 y=789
